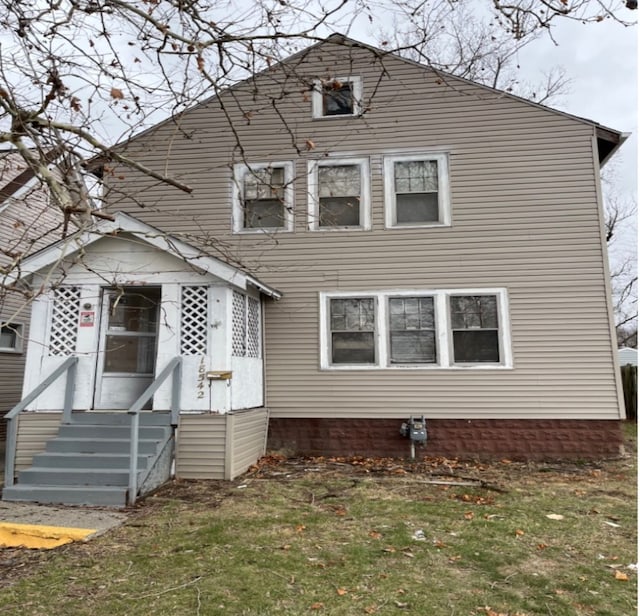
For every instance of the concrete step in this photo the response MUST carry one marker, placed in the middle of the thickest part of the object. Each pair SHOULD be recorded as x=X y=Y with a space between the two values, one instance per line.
x=99 y=445
x=87 y=460
x=112 y=496
x=38 y=476
x=112 y=418
x=91 y=431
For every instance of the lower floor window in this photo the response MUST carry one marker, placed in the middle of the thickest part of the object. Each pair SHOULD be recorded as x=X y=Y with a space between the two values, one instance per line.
x=11 y=338
x=422 y=328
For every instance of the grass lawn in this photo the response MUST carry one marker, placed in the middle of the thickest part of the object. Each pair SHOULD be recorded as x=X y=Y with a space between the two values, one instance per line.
x=349 y=537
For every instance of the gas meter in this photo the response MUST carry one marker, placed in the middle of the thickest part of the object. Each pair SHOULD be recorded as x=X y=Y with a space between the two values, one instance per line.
x=415 y=429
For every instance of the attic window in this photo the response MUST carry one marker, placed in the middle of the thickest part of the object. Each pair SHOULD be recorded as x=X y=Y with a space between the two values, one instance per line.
x=339 y=96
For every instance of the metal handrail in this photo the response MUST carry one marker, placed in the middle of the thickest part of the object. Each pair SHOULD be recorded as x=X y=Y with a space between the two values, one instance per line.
x=173 y=368
x=70 y=366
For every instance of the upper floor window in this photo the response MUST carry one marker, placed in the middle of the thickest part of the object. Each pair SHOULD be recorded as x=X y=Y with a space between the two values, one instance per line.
x=263 y=197
x=11 y=338
x=339 y=194
x=417 y=190
x=340 y=96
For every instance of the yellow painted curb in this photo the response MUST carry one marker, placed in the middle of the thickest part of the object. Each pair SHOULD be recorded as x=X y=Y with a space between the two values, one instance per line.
x=39 y=537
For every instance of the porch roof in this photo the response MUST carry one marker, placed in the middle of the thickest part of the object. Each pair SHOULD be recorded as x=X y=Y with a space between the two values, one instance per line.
x=53 y=254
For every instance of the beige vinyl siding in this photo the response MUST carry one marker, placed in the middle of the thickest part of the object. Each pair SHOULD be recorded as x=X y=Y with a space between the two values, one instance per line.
x=246 y=440
x=200 y=446
x=211 y=446
x=26 y=224
x=525 y=217
x=34 y=430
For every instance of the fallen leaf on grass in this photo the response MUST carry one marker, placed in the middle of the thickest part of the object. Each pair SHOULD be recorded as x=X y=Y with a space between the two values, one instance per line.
x=613 y=524
x=619 y=575
x=555 y=516
x=401 y=605
x=317 y=606
x=542 y=546
x=300 y=528
x=371 y=609
x=374 y=534
x=519 y=532
x=341 y=591
x=469 y=515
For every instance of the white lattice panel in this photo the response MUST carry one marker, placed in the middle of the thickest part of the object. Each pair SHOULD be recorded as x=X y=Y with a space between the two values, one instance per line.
x=64 y=321
x=239 y=317
x=193 y=320
x=253 y=327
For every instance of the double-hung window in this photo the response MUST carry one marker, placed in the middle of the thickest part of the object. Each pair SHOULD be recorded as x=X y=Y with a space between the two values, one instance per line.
x=415 y=329
x=412 y=330
x=263 y=197
x=337 y=97
x=474 y=328
x=339 y=194
x=353 y=330
x=417 y=190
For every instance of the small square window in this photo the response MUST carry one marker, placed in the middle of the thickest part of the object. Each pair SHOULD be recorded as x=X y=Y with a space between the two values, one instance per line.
x=416 y=191
x=11 y=338
x=339 y=194
x=339 y=96
x=263 y=197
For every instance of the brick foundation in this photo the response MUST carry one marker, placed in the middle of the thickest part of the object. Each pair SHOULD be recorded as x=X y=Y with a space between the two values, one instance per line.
x=516 y=439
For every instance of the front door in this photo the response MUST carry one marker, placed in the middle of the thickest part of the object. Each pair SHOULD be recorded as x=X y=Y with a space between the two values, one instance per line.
x=128 y=345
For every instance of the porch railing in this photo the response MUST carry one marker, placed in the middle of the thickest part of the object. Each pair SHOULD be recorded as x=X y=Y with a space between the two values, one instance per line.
x=173 y=369
x=69 y=366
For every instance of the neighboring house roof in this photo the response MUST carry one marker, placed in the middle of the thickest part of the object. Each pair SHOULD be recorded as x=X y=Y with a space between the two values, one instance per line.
x=23 y=178
x=609 y=139
x=125 y=223
x=628 y=356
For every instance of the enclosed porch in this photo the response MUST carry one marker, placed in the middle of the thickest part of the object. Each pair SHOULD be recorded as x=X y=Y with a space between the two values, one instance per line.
x=144 y=359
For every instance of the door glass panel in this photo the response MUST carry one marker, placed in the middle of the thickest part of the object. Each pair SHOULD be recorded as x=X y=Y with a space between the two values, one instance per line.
x=130 y=345
x=134 y=311
x=134 y=354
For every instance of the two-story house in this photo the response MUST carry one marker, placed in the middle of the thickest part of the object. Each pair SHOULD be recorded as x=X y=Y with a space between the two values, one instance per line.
x=26 y=219
x=366 y=240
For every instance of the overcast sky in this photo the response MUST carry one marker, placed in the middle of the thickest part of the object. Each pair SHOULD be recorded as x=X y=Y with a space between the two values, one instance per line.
x=602 y=62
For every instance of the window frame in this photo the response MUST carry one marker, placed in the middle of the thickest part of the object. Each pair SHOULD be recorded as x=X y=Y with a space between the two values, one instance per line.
x=314 y=193
x=317 y=97
x=444 y=199
x=18 y=329
x=443 y=332
x=240 y=170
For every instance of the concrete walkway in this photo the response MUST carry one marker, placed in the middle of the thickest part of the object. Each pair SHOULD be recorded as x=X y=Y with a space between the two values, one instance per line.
x=46 y=526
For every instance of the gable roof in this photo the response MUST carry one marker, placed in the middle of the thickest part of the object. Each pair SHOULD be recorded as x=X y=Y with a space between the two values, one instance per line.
x=24 y=177
x=609 y=140
x=125 y=223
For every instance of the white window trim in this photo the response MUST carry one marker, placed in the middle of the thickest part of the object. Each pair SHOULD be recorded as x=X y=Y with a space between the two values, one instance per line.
x=239 y=172
x=444 y=201
x=314 y=201
x=19 y=347
x=444 y=338
x=317 y=94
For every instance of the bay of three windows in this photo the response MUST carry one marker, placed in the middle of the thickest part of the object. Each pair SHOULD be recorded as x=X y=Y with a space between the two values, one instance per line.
x=416 y=194
x=415 y=329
